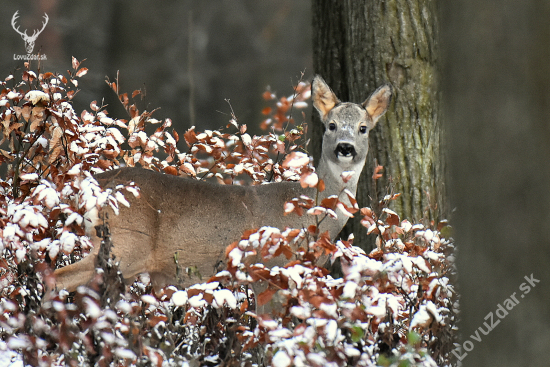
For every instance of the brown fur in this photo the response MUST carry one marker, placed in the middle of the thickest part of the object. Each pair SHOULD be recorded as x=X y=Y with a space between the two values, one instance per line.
x=196 y=220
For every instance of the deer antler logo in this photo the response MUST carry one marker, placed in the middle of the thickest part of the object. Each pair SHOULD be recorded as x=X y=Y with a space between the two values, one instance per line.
x=29 y=40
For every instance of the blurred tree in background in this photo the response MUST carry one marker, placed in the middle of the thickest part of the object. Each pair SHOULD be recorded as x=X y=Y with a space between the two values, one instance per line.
x=496 y=85
x=360 y=45
x=209 y=51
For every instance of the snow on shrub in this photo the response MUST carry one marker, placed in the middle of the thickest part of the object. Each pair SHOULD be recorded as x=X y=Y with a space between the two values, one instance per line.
x=392 y=306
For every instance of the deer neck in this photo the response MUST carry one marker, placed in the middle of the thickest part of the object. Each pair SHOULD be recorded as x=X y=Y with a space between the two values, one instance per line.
x=331 y=173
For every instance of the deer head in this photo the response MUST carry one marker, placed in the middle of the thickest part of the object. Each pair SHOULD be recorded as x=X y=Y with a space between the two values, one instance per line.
x=347 y=126
x=29 y=40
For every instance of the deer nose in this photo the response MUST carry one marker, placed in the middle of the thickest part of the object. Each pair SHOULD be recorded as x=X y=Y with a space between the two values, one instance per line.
x=345 y=150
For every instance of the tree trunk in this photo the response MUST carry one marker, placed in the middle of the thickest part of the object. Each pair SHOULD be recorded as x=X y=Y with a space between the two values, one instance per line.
x=360 y=45
x=496 y=86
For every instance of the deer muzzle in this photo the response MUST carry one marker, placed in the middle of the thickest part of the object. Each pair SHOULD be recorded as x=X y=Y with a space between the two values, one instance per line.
x=345 y=150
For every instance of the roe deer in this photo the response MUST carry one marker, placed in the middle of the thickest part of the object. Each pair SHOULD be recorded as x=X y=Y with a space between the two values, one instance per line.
x=198 y=220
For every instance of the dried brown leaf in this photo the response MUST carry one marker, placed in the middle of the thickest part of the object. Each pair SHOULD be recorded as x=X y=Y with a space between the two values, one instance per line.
x=37 y=117
x=171 y=170
x=190 y=137
x=75 y=63
x=267 y=95
x=321 y=186
x=265 y=296
x=55 y=153
x=26 y=112
x=82 y=72
x=377 y=172
x=330 y=202
x=94 y=107
x=392 y=218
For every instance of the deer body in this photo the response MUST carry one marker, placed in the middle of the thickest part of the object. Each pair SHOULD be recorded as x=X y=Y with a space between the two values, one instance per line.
x=195 y=221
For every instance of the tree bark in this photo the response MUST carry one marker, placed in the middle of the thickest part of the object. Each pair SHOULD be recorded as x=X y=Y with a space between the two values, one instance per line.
x=496 y=86
x=360 y=45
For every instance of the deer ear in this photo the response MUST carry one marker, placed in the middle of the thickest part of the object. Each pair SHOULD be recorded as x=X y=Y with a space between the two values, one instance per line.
x=378 y=103
x=324 y=98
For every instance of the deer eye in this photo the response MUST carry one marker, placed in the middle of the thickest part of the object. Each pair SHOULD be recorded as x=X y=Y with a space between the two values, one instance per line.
x=363 y=129
x=332 y=126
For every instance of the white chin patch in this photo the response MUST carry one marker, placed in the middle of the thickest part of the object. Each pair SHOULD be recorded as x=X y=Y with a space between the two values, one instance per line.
x=345 y=158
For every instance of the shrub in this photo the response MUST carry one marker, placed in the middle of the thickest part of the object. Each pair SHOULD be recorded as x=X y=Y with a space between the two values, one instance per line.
x=393 y=306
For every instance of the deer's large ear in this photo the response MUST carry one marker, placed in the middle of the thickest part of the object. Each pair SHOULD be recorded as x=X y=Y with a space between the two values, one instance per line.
x=377 y=104
x=324 y=98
